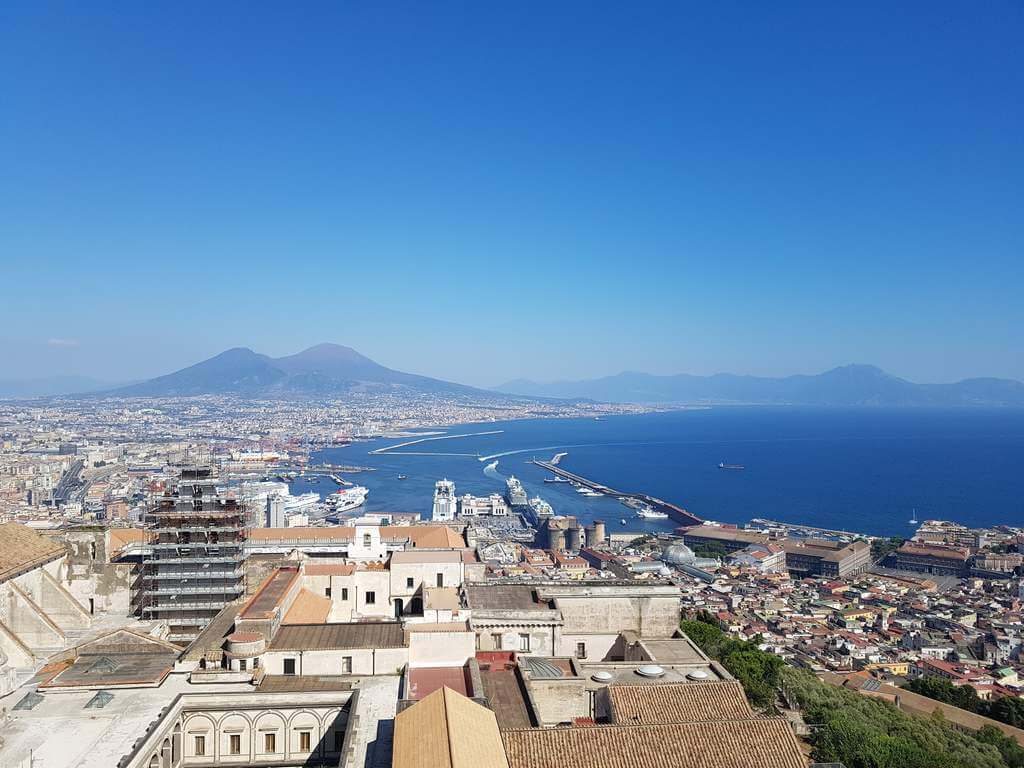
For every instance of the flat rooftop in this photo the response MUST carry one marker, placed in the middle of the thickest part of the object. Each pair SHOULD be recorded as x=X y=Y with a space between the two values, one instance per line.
x=506 y=597
x=676 y=650
x=94 y=737
x=625 y=673
x=423 y=681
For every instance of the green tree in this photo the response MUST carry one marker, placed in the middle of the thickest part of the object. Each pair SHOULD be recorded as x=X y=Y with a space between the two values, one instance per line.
x=711 y=549
x=1011 y=751
x=1007 y=710
x=962 y=696
x=708 y=637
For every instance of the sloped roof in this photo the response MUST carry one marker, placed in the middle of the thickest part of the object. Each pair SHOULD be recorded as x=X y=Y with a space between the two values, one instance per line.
x=752 y=743
x=447 y=730
x=308 y=608
x=330 y=569
x=22 y=548
x=119 y=538
x=126 y=641
x=275 y=535
x=678 y=702
x=424 y=536
x=322 y=637
x=270 y=594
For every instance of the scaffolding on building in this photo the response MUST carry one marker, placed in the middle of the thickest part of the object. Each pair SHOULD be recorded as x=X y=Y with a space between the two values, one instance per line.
x=195 y=565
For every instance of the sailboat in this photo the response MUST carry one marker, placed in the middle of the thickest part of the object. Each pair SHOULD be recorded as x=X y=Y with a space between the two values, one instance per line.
x=913 y=518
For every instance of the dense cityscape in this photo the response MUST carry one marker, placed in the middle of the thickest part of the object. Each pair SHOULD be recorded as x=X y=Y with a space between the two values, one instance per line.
x=512 y=385
x=157 y=567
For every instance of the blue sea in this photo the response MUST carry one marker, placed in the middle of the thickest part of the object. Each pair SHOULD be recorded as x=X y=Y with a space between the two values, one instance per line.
x=854 y=469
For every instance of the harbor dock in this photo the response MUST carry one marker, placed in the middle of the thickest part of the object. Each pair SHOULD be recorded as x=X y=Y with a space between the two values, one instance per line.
x=676 y=513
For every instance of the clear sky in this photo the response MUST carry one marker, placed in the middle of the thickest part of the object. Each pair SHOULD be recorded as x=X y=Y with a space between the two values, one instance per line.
x=481 y=191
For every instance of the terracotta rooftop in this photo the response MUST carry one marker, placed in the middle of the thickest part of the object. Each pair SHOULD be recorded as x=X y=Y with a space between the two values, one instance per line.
x=271 y=535
x=303 y=684
x=22 y=549
x=322 y=637
x=119 y=538
x=678 y=702
x=269 y=594
x=308 y=608
x=423 y=536
x=925 y=550
x=330 y=569
x=753 y=743
x=447 y=730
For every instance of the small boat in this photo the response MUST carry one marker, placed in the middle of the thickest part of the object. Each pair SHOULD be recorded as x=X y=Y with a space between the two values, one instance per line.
x=723 y=465
x=402 y=477
x=623 y=521
x=492 y=467
x=555 y=480
x=913 y=518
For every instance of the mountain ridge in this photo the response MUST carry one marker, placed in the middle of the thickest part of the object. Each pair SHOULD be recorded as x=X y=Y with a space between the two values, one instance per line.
x=323 y=369
x=855 y=384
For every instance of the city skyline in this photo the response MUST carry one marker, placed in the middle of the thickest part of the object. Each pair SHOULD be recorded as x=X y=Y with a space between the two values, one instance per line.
x=532 y=192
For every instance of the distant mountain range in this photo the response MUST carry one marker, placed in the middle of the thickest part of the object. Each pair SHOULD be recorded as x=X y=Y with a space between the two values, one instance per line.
x=329 y=370
x=323 y=370
x=848 y=385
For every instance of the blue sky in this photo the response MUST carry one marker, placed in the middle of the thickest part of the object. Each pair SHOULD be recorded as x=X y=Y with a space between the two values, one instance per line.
x=482 y=191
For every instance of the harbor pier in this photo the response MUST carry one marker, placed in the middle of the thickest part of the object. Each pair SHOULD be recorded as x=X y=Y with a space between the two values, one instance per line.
x=676 y=513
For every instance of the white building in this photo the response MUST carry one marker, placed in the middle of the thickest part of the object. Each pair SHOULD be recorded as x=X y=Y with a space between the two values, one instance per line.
x=444 y=501
x=473 y=506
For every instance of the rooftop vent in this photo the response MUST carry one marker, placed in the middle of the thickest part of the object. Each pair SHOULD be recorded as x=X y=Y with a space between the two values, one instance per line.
x=697 y=674
x=650 y=670
x=601 y=677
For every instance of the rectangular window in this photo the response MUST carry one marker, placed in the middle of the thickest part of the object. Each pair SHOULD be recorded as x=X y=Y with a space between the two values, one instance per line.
x=289 y=666
x=371 y=598
x=440 y=579
x=235 y=744
x=581 y=650
x=409 y=583
x=200 y=745
x=524 y=642
x=344 y=593
x=242 y=664
x=304 y=741
x=367 y=540
x=327 y=592
x=496 y=641
x=270 y=742
x=346 y=665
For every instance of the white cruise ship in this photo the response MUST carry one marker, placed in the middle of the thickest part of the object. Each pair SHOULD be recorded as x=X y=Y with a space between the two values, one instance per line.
x=345 y=499
x=515 y=493
x=302 y=504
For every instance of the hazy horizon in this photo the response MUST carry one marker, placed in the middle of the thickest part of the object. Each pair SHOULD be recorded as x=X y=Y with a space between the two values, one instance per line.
x=481 y=194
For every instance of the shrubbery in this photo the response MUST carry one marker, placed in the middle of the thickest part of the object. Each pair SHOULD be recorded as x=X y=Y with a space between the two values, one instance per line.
x=847 y=727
